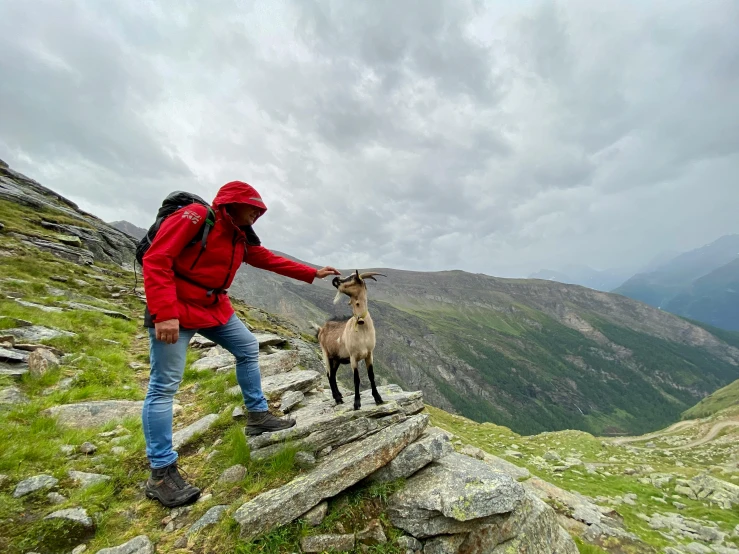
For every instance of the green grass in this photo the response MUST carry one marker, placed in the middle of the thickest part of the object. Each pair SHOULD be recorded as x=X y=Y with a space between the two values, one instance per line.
x=497 y=440
x=98 y=363
x=585 y=548
x=726 y=397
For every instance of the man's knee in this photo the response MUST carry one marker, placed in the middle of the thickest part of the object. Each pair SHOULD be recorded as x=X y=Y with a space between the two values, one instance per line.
x=246 y=349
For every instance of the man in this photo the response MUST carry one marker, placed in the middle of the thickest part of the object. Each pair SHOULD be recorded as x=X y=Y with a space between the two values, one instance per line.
x=186 y=293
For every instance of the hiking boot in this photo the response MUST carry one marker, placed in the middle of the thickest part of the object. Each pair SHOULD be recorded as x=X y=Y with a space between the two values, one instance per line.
x=265 y=422
x=167 y=485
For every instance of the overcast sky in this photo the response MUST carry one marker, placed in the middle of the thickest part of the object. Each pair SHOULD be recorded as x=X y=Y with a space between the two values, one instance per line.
x=496 y=137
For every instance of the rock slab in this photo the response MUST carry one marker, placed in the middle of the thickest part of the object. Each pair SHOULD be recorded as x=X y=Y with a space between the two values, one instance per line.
x=450 y=492
x=137 y=545
x=211 y=517
x=327 y=543
x=33 y=484
x=339 y=471
x=96 y=413
x=431 y=446
x=183 y=436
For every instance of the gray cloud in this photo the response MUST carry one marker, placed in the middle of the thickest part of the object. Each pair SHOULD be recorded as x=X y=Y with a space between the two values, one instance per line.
x=421 y=135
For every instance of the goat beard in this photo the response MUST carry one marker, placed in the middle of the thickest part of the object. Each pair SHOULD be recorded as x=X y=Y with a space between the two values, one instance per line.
x=337 y=297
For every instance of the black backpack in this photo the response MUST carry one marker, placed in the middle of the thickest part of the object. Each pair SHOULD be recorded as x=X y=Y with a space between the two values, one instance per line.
x=171 y=204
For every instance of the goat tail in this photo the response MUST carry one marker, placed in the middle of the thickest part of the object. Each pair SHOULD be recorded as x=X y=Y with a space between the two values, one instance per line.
x=317 y=328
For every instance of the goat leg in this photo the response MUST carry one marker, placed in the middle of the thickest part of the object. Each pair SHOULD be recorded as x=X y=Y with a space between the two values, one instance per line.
x=371 y=375
x=334 y=366
x=355 y=368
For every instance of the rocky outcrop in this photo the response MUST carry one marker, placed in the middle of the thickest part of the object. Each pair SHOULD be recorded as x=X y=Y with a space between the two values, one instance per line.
x=711 y=490
x=460 y=504
x=340 y=470
x=99 y=241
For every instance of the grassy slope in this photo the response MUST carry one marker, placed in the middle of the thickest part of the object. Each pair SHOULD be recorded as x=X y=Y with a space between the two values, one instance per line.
x=609 y=481
x=528 y=369
x=722 y=399
x=103 y=348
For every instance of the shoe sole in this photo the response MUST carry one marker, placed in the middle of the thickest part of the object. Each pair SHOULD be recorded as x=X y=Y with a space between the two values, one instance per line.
x=189 y=499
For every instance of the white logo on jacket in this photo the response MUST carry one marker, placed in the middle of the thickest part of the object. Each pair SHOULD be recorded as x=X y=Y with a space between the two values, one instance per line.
x=192 y=216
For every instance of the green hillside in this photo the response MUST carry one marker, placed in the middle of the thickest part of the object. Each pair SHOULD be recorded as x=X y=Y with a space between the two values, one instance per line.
x=723 y=399
x=532 y=355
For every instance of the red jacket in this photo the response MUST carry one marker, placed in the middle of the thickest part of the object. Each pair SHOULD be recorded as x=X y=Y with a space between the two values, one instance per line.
x=169 y=296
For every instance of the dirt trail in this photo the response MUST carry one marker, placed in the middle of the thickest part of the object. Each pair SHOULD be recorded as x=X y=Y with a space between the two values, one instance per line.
x=708 y=437
x=715 y=430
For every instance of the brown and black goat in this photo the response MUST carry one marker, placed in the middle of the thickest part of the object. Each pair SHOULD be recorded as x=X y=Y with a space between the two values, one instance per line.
x=351 y=340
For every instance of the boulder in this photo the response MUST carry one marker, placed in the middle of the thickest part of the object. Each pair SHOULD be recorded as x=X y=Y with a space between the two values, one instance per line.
x=211 y=517
x=137 y=545
x=87 y=479
x=68 y=528
x=48 y=309
x=12 y=356
x=372 y=534
x=233 y=474
x=449 y=494
x=89 y=308
x=33 y=484
x=36 y=333
x=183 y=436
x=290 y=400
x=269 y=339
x=339 y=471
x=320 y=414
x=315 y=516
x=281 y=361
x=16 y=372
x=220 y=361
x=327 y=543
x=429 y=447
x=302 y=380
x=12 y=395
x=95 y=413
x=40 y=361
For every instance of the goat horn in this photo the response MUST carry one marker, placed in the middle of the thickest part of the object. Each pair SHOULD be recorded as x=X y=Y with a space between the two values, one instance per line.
x=369 y=275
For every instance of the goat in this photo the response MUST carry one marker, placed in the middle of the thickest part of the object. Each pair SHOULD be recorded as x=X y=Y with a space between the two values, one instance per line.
x=351 y=340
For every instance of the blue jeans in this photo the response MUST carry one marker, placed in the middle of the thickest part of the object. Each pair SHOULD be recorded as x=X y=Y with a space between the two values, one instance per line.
x=167 y=369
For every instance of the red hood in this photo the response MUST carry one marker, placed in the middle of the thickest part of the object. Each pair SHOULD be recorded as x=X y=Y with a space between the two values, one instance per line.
x=238 y=192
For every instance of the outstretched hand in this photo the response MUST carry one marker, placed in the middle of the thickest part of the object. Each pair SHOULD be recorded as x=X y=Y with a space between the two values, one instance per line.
x=326 y=271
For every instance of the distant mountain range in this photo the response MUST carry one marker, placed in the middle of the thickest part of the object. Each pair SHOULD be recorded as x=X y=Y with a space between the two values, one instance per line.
x=702 y=284
x=531 y=355
x=129 y=229
x=605 y=280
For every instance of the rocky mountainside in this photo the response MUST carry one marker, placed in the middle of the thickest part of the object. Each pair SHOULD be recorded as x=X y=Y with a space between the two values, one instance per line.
x=129 y=229
x=529 y=354
x=402 y=477
x=682 y=276
x=713 y=298
x=73 y=373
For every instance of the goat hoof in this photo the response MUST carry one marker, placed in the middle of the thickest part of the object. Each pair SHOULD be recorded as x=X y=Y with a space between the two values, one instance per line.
x=339 y=400
x=379 y=401
x=357 y=405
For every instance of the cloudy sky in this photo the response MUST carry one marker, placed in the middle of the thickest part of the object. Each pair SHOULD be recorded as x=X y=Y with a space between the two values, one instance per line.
x=496 y=137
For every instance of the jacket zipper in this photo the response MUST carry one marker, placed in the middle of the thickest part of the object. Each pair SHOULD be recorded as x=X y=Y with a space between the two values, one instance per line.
x=231 y=263
x=202 y=249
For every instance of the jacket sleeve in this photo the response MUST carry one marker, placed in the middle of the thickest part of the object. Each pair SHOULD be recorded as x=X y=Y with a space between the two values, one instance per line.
x=173 y=235
x=259 y=256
